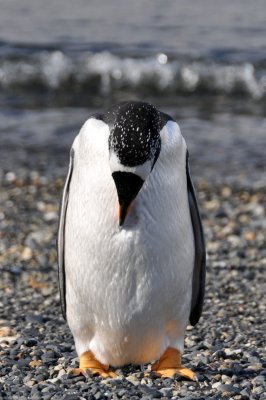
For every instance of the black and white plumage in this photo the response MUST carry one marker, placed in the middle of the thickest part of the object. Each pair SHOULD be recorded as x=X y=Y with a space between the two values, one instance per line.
x=130 y=284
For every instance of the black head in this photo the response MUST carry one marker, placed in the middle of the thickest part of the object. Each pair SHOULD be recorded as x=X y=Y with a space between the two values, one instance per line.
x=135 y=135
x=134 y=146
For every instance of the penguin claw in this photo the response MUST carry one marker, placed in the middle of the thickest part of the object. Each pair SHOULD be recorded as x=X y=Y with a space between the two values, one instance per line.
x=90 y=366
x=79 y=371
x=88 y=372
x=174 y=372
x=107 y=374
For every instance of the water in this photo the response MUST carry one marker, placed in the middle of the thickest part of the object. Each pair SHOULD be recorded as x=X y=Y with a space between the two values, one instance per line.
x=203 y=62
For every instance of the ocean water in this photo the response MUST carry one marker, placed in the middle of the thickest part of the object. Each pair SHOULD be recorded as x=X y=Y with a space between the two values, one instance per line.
x=203 y=62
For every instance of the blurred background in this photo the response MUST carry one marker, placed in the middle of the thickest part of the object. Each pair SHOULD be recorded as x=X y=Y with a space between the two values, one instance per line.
x=202 y=62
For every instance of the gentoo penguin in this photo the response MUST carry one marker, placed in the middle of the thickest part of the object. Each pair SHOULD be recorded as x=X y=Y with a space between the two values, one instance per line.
x=130 y=244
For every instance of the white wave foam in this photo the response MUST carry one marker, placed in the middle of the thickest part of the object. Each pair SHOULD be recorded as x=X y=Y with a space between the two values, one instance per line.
x=109 y=72
x=56 y=68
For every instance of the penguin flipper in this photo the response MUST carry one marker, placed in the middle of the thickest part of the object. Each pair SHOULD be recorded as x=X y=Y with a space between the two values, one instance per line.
x=61 y=235
x=199 y=272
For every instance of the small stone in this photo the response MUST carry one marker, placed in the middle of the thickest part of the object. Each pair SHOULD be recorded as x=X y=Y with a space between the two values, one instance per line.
x=250 y=235
x=249 y=275
x=50 y=216
x=30 y=383
x=35 y=363
x=36 y=396
x=258 y=390
x=245 y=394
x=166 y=391
x=61 y=373
x=5 y=331
x=26 y=254
x=47 y=396
x=258 y=380
x=150 y=391
x=221 y=213
x=34 y=284
x=228 y=388
x=34 y=318
x=226 y=191
x=121 y=392
x=15 y=270
x=132 y=379
x=10 y=176
x=255 y=367
x=30 y=342
x=225 y=379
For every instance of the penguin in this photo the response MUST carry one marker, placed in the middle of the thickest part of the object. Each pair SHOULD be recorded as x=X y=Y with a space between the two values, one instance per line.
x=131 y=250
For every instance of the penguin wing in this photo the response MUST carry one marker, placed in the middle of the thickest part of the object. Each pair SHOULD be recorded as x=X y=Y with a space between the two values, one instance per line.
x=61 y=236
x=199 y=272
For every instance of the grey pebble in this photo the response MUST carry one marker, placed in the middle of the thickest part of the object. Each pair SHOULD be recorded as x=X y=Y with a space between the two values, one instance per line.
x=150 y=391
x=36 y=396
x=47 y=396
x=167 y=392
x=228 y=388
x=71 y=397
x=259 y=380
x=244 y=393
x=30 y=342
x=98 y=395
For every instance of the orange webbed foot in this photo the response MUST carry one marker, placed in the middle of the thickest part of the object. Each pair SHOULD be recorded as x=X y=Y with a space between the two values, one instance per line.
x=88 y=366
x=170 y=366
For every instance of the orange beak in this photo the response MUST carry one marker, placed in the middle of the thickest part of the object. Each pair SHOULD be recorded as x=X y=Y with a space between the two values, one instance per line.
x=122 y=212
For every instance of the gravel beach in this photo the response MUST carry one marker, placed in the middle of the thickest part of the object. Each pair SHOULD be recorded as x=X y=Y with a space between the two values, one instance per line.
x=226 y=348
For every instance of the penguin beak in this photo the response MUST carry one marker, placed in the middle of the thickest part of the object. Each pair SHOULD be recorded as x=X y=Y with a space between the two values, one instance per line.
x=127 y=186
x=122 y=213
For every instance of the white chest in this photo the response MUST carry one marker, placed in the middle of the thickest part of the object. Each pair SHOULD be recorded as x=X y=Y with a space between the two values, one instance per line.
x=132 y=283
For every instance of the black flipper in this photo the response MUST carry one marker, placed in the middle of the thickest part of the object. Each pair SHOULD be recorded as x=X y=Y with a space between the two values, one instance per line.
x=199 y=273
x=61 y=236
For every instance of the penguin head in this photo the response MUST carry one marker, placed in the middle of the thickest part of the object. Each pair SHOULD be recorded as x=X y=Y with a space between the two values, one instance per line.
x=134 y=147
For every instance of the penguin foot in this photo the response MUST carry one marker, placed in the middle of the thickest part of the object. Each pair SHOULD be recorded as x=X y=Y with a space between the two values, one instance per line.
x=88 y=365
x=170 y=366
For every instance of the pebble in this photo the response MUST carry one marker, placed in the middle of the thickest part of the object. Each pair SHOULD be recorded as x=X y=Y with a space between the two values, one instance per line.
x=26 y=254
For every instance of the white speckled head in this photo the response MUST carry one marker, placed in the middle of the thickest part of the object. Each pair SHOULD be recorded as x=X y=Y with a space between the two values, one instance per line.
x=135 y=137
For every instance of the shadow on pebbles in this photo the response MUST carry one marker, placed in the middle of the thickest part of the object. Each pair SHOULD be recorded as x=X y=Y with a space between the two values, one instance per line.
x=226 y=348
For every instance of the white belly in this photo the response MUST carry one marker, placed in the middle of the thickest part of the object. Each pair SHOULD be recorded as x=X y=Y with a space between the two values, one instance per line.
x=128 y=290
